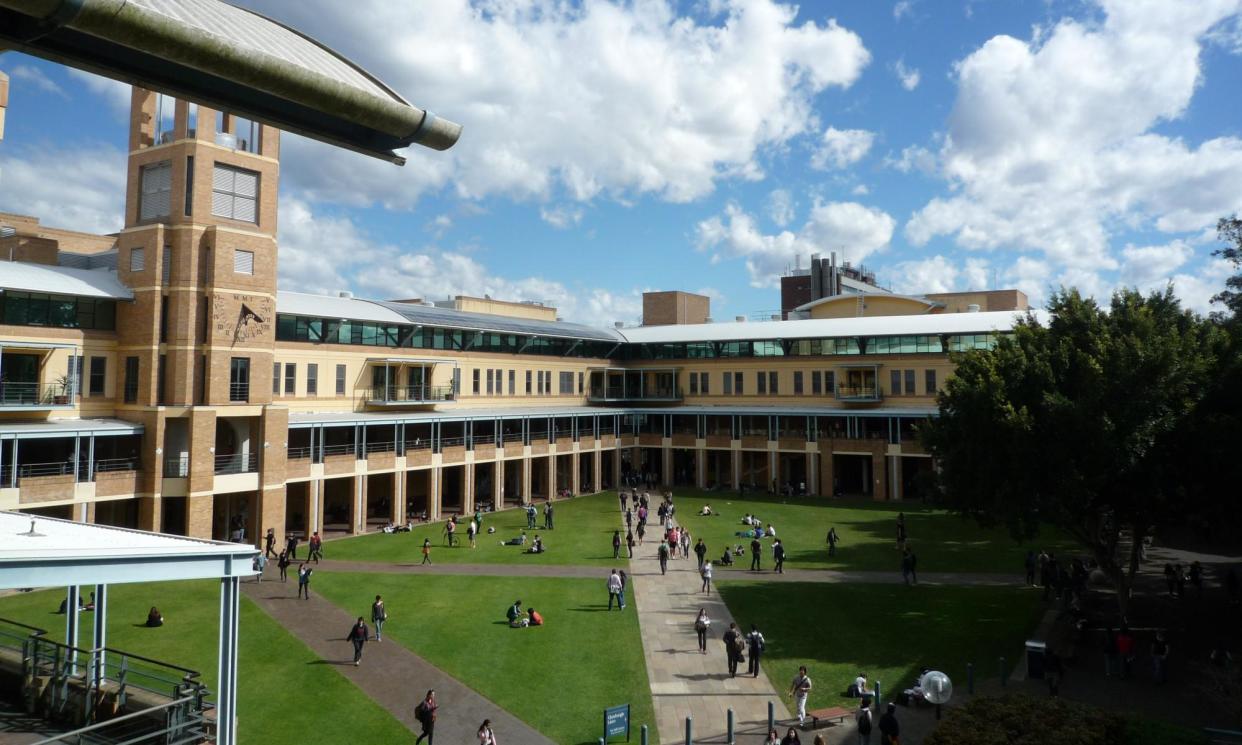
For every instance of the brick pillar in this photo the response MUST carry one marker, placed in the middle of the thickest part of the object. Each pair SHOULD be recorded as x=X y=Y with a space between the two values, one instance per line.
x=575 y=478
x=198 y=511
x=149 y=513
x=526 y=468
x=812 y=473
x=700 y=467
x=498 y=482
x=467 y=487
x=735 y=459
x=879 y=477
x=551 y=477
x=358 y=498
x=315 y=494
x=271 y=514
x=435 y=493
x=398 y=498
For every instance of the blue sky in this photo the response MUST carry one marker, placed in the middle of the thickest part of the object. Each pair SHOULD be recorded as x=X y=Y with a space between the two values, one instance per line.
x=615 y=148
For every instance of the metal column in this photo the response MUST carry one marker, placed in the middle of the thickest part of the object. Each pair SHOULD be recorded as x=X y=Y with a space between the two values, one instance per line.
x=100 y=639
x=226 y=686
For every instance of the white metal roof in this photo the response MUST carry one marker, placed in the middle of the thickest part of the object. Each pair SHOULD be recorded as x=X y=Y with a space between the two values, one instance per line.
x=53 y=553
x=62 y=280
x=67 y=428
x=853 y=298
x=940 y=323
x=331 y=306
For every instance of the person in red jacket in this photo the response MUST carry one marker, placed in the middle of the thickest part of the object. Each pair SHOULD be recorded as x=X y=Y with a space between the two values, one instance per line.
x=1125 y=650
x=535 y=618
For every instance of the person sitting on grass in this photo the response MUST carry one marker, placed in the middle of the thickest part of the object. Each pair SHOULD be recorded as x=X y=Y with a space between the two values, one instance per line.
x=536 y=547
x=748 y=520
x=533 y=617
x=154 y=618
x=738 y=550
x=706 y=511
x=514 y=614
x=859 y=687
x=771 y=532
x=519 y=541
x=726 y=559
x=757 y=532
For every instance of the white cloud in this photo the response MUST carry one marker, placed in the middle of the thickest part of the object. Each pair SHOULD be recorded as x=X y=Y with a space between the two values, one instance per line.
x=118 y=95
x=913 y=158
x=1143 y=265
x=80 y=188
x=855 y=230
x=561 y=217
x=908 y=76
x=860 y=190
x=939 y=274
x=428 y=271
x=533 y=82
x=902 y=9
x=780 y=207
x=36 y=77
x=1050 y=147
x=841 y=148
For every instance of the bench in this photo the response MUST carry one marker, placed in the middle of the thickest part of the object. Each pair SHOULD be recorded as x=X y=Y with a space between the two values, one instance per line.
x=835 y=714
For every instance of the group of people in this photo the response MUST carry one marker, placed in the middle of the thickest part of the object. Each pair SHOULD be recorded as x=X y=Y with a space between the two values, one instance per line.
x=519 y=620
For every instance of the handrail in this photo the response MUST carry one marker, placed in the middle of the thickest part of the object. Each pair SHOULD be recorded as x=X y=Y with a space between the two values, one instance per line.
x=77 y=733
x=346 y=449
x=381 y=447
x=116 y=464
x=410 y=393
x=237 y=463
x=299 y=452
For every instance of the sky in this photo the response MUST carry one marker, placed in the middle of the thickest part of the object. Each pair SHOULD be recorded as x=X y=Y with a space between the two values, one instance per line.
x=612 y=148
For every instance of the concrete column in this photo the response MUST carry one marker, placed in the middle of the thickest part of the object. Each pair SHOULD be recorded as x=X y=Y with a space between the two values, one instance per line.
x=551 y=477
x=879 y=481
x=526 y=468
x=735 y=458
x=826 y=474
x=812 y=473
x=226 y=677
x=467 y=486
x=700 y=467
x=71 y=615
x=434 y=495
x=894 y=477
x=666 y=462
x=597 y=467
x=616 y=467
x=398 y=498
x=575 y=478
x=99 y=639
x=316 y=505
x=359 y=524
x=498 y=483
x=774 y=470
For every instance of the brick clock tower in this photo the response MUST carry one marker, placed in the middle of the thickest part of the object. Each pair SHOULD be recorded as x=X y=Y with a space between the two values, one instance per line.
x=195 y=347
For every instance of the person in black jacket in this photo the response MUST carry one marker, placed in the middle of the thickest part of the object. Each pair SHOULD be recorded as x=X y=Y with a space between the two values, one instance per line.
x=733 y=648
x=890 y=729
x=359 y=635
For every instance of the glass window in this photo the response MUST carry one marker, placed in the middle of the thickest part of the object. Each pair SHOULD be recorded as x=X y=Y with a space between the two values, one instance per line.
x=137 y=259
x=275 y=378
x=704 y=388
x=312 y=379
x=761 y=378
x=694 y=384
x=512 y=382
x=727 y=378
x=817 y=384
x=474 y=381
x=910 y=382
x=830 y=382
x=797 y=382
x=737 y=384
x=929 y=381
x=773 y=378
x=340 y=380
x=155 y=200
x=99 y=368
x=291 y=378
x=131 y=380
x=243 y=261
x=894 y=382
x=528 y=382
x=239 y=379
x=489 y=382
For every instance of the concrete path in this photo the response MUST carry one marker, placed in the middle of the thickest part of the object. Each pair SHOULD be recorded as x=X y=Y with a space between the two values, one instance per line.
x=684 y=682
x=725 y=573
x=391 y=675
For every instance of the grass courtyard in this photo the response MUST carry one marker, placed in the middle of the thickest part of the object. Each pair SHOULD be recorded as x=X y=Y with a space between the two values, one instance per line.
x=867 y=531
x=280 y=680
x=558 y=678
x=889 y=632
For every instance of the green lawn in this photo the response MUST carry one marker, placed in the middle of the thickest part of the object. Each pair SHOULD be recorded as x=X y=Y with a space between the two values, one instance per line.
x=583 y=535
x=283 y=688
x=867 y=531
x=558 y=677
x=888 y=631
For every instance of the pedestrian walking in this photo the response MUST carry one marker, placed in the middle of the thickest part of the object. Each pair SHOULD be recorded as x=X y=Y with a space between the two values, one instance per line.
x=259 y=564
x=1054 y=670
x=282 y=563
x=890 y=728
x=1125 y=650
x=685 y=544
x=642 y=530
x=862 y=718
x=700 y=550
x=614 y=591
x=472 y=530
x=486 y=735
x=663 y=553
x=629 y=518
x=304 y=576
x=629 y=542
x=616 y=544
x=701 y=624
x=425 y=713
x=1160 y=658
x=901 y=531
x=270 y=543
x=832 y=541
x=1110 y=653
x=426 y=551
x=756 y=645
x=291 y=545
x=450 y=528
x=625 y=580
x=531 y=512
x=316 y=547
x=1031 y=563
x=905 y=567
x=379 y=614
x=358 y=635
x=755 y=548
x=547 y=515
x=706 y=573
x=778 y=555
x=1196 y=578
x=734 y=646
x=800 y=689
x=621 y=499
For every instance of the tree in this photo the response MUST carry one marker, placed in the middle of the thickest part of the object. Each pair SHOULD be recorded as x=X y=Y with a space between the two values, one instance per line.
x=1075 y=424
x=1229 y=230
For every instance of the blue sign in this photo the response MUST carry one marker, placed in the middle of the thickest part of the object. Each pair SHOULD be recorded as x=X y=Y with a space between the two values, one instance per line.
x=617 y=721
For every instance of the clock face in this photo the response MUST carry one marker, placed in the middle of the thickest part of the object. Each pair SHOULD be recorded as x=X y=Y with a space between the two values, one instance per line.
x=241 y=318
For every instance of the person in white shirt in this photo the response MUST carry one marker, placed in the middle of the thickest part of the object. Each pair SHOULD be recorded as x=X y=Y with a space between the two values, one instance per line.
x=800 y=689
x=614 y=591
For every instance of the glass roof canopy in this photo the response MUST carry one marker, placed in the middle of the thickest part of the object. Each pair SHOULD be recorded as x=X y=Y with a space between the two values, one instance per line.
x=424 y=315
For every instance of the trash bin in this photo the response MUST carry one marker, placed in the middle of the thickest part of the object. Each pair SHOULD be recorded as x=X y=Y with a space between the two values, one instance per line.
x=1035 y=651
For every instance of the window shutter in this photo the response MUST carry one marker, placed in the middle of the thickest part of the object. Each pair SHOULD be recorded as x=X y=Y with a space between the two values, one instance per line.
x=166 y=268
x=156 y=191
x=137 y=259
x=243 y=262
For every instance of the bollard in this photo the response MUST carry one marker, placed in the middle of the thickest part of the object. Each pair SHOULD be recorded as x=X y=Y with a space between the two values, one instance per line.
x=642 y=738
x=970 y=678
x=601 y=741
x=1003 y=676
x=878 y=696
x=689 y=730
x=771 y=716
x=730 y=739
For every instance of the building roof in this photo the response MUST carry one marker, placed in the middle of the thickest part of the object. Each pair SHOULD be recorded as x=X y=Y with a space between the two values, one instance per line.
x=940 y=323
x=62 y=280
x=229 y=58
x=43 y=428
x=40 y=551
x=853 y=298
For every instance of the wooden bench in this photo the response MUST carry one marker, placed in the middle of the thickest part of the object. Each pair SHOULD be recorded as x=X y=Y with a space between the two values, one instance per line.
x=835 y=714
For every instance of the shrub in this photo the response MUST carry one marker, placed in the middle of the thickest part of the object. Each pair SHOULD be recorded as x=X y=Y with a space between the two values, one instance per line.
x=1022 y=720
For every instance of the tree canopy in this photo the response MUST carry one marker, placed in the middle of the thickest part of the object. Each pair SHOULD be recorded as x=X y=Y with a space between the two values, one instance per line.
x=1077 y=424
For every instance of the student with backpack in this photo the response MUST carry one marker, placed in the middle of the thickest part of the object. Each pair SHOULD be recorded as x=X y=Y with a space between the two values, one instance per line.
x=756 y=646
x=425 y=713
x=701 y=622
x=863 y=719
x=359 y=635
x=379 y=614
x=735 y=645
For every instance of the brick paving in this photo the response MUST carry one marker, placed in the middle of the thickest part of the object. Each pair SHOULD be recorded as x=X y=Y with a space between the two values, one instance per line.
x=391 y=675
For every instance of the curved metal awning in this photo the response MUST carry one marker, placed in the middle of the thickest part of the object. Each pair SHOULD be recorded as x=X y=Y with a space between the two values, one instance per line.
x=228 y=58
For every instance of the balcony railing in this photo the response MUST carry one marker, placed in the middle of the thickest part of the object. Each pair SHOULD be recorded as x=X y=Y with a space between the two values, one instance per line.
x=176 y=467
x=859 y=393
x=65 y=468
x=116 y=464
x=239 y=392
x=299 y=453
x=409 y=394
x=381 y=447
x=35 y=394
x=237 y=463
x=345 y=449
x=599 y=393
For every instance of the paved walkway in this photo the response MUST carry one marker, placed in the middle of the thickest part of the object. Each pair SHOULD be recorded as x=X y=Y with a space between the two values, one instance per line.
x=684 y=682
x=391 y=675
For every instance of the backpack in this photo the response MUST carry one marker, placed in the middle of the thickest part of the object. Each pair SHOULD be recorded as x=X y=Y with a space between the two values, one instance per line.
x=739 y=644
x=864 y=722
x=700 y=625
